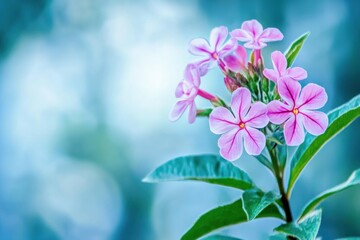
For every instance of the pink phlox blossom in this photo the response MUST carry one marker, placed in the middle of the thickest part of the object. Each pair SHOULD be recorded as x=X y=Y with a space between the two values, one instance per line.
x=213 y=50
x=239 y=126
x=281 y=71
x=236 y=61
x=255 y=36
x=297 y=110
x=186 y=91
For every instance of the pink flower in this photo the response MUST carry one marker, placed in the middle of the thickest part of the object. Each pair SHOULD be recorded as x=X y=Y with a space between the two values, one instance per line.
x=211 y=52
x=255 y=37
x=297 y=110
x=240 y=125
x=236 y=62
x=280 y=71
x=187 y=90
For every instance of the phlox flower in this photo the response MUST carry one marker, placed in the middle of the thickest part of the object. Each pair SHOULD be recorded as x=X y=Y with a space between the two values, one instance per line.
x=255 y=36
x=213 y=50
x=239 y=126
x=297 y=110
x=236 y=61
x=281 y=71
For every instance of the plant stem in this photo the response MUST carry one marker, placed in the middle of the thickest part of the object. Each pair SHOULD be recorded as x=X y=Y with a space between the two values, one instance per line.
x=280 y=181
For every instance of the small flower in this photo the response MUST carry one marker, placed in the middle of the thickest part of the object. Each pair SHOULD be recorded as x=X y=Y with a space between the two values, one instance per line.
x=297 y=110
x=280 y=70
x=213 y=51
x=236 y=62
x=240 y=125
x=255 y=37
x=187 y=91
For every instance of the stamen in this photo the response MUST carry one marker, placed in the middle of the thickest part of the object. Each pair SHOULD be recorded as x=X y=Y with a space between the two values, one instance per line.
x=242 y=125
x=295 y=111
x=215 y=55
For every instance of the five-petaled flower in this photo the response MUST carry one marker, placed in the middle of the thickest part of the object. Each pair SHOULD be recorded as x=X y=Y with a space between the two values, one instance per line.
x=297 y=110
x=281 y=71
x=213 y=51
x=240 y=125
x=255 y=36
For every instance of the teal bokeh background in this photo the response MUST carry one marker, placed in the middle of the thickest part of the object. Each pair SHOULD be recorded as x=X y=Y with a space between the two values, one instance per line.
x=85 y=91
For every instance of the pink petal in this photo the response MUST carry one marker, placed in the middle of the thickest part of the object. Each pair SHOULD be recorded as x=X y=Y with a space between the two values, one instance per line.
x=296 y=73
x=230 y=144
x=279 y=62
x=240 y=52
x=241 y=35
x=254 y=141
x=257 y=116
x=221 y=120
x=294 y=130
x=178 y=110
x=278 y=112
x=199 y=47
x=255 y=45
x=271 y=34
x=203 y=66
x=271 y=74
x=228 y=47
x=315 y=122
x=179 y=90
x=192 y=112
x=312 y=97
x=217 y=37
x=240 y=102
x=289 y=91
x=253 y=27
x=191 y=74
x=236 y=62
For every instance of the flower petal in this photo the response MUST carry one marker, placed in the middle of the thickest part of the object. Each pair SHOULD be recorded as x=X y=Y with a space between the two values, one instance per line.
x=236 y=62
x=279 y=62
x=221 y=120
x=240 y=102
x=241 y=35
x=289 y=91
x=217 y=37
x=254 y=141
x=296 y=73
x=179 y=90
x=178 y=110
x=253 y=27
x=227 y=48
x=315 y=122
x=199 y=47
x=203 y=65
x=192 y=112
x=271 y=74
x=278 y=112
x=271 y=34
x=312 y=96
x=230 y=144
x=257 y=116
x=294 y=130
x=191 y=74
x=255 y=45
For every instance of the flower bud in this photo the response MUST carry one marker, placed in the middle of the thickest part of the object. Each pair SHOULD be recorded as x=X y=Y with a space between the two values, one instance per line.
x=230 y=84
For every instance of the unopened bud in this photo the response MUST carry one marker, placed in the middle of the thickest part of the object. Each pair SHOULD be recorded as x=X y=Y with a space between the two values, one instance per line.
x=230 y=84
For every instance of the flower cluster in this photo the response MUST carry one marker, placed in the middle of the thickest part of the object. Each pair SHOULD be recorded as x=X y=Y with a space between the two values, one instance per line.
x=264 y=101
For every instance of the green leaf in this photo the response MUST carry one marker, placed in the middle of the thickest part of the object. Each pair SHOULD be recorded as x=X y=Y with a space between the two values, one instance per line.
x=306 y=229
x=206 y=168
x=294 y=48
x=223 y=216
x=264 y=161
x=219 y=237
x=254 y=201
x=339 y=118
x=353 y=180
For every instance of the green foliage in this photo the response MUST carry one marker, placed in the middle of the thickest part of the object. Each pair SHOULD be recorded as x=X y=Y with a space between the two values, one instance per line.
x=306 y=229
x=225 y=216
x=294 y=48
x=206 y=168
x=339 y=118
x=254 y=201
x=353 y=180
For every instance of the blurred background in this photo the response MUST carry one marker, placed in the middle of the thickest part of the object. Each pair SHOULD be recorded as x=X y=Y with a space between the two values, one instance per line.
x=85 y=91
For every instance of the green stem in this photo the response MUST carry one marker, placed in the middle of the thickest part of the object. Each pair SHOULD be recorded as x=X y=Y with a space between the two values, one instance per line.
x=280 y=182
